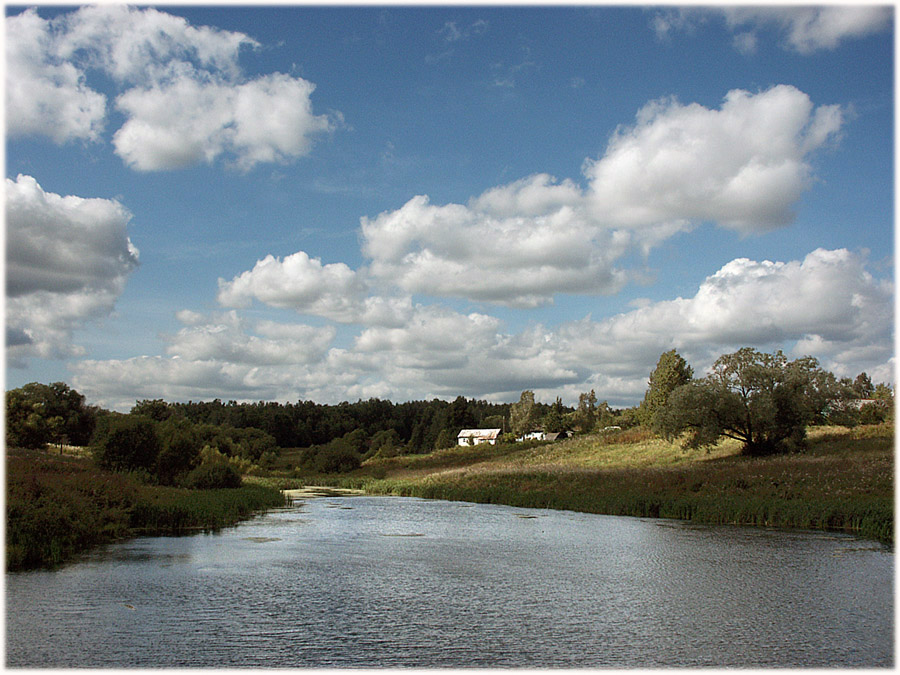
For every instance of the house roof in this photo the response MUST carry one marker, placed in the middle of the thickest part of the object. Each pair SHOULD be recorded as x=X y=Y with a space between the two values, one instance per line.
x=479 y=433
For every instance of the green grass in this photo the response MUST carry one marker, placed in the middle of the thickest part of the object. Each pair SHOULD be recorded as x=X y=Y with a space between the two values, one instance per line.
x=58 y=506
x=843 y=481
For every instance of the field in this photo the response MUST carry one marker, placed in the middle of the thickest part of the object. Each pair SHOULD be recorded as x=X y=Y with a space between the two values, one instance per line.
x=843 y=481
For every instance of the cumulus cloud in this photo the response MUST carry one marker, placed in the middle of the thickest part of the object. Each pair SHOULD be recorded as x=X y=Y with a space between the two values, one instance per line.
x=802 y=29
x=742 y=166
x=224 y=337
x=67 y=261
x=46 y=95
x=827 y=305
x=182 y=92
x=304 y=284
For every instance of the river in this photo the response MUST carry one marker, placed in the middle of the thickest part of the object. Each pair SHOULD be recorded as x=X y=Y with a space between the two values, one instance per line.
x=341 y=582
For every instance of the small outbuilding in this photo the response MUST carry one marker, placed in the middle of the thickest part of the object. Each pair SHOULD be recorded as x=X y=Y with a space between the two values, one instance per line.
x=478 y=436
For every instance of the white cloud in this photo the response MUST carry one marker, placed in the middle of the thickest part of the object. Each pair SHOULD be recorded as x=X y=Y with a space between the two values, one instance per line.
x=809 y=29
x=188 y=121
x=182 y=91
x=46 y=95
x=225 y=337
x=826 y=305
x=742 y=166
x=804 y=30
x=143 y=46
x=67 y=261
x=304 y=284
x=519 y=260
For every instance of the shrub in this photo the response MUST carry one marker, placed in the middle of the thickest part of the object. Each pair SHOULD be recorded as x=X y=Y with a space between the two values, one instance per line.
x=212 y=476
x=130 y=443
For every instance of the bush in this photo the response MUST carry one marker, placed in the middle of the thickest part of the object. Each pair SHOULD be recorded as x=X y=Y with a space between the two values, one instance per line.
x=213 y=476
x=130 y=443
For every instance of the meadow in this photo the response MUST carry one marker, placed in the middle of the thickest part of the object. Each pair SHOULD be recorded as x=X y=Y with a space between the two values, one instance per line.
x=842 y=481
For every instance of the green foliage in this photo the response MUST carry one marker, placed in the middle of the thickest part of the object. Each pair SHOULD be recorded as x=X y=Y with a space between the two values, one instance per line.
x=157 y=409
x=58 y=506
x=38 y=414
x=180 y=450
x=586 y=416
x=554 y=420
x=523 y=415
x=213 y=475
x=446 y=439
x=384 y=444
x=130 y=442
x=671 y=372
x=762 y=400
x=336 y=457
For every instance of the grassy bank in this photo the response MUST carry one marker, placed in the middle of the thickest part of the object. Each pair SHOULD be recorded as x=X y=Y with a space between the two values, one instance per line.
x=58 y=506
x=843 y=481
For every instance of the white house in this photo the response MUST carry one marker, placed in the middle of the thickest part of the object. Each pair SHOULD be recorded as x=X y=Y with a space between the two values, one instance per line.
x=478 y=436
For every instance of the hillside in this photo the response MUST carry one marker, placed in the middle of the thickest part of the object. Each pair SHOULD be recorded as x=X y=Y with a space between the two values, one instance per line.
x=843 y=481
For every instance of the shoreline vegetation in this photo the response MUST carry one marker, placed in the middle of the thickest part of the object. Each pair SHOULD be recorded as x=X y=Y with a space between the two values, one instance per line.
x=61 y=505
x=759 y=441
x=843 y=481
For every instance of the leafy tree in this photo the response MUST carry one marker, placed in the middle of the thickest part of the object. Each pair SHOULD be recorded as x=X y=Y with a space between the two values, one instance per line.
x=554 y=420
x=212 y=476
x=130 y=443
x=863 y=387
x=522 y=415
x=586 y=413
x=445 y=439
x=37 y=414
x=671 y=372
x=157 y=409
x=762 y=400
x=180 y=449
x=384 y=444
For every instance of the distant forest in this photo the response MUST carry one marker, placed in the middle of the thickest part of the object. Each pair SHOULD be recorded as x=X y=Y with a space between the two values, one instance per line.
x=421 y=426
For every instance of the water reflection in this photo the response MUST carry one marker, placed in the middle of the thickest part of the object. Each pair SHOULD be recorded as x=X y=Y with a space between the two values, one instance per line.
x=392 y=582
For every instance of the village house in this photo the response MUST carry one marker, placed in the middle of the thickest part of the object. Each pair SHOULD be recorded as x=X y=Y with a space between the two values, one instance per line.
x=478 y=436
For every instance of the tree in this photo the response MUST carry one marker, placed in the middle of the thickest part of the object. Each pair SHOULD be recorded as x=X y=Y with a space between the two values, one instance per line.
x=671 y=372
x=522 y=414
x=863 y=386
x=130 y=443
x=586 y=413
x=37 y=414
x=762 y=400
x=554 y=420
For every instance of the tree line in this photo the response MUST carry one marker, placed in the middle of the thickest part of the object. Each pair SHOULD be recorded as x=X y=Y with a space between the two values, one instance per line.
x=765 y=401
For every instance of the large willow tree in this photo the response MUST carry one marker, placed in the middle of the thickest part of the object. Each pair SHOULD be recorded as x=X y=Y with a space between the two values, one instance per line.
x=762 y=400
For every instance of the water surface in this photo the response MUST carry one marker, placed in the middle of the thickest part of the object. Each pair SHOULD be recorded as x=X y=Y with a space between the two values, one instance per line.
x=392 y=582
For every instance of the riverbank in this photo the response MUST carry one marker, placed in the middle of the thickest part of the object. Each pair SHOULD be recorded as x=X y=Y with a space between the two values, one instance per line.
x=58 y=506
x=843 y=481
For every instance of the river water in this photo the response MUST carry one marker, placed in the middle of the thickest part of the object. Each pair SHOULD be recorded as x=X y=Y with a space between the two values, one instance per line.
x=393 y=582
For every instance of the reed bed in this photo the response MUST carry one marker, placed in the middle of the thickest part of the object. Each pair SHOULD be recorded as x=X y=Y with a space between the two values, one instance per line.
x=59 y=506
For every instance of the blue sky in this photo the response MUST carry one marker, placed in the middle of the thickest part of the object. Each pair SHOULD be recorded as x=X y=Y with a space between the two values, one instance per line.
x=333 y=203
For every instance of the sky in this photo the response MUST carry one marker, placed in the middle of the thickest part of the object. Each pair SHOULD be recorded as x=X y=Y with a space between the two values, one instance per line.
x=335 y=203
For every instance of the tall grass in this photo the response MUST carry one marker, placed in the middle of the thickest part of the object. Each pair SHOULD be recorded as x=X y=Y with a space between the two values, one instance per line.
x=59 y=506
x=844 y=481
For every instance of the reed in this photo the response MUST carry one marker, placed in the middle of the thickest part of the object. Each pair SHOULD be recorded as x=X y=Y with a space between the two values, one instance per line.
x=58 y=506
